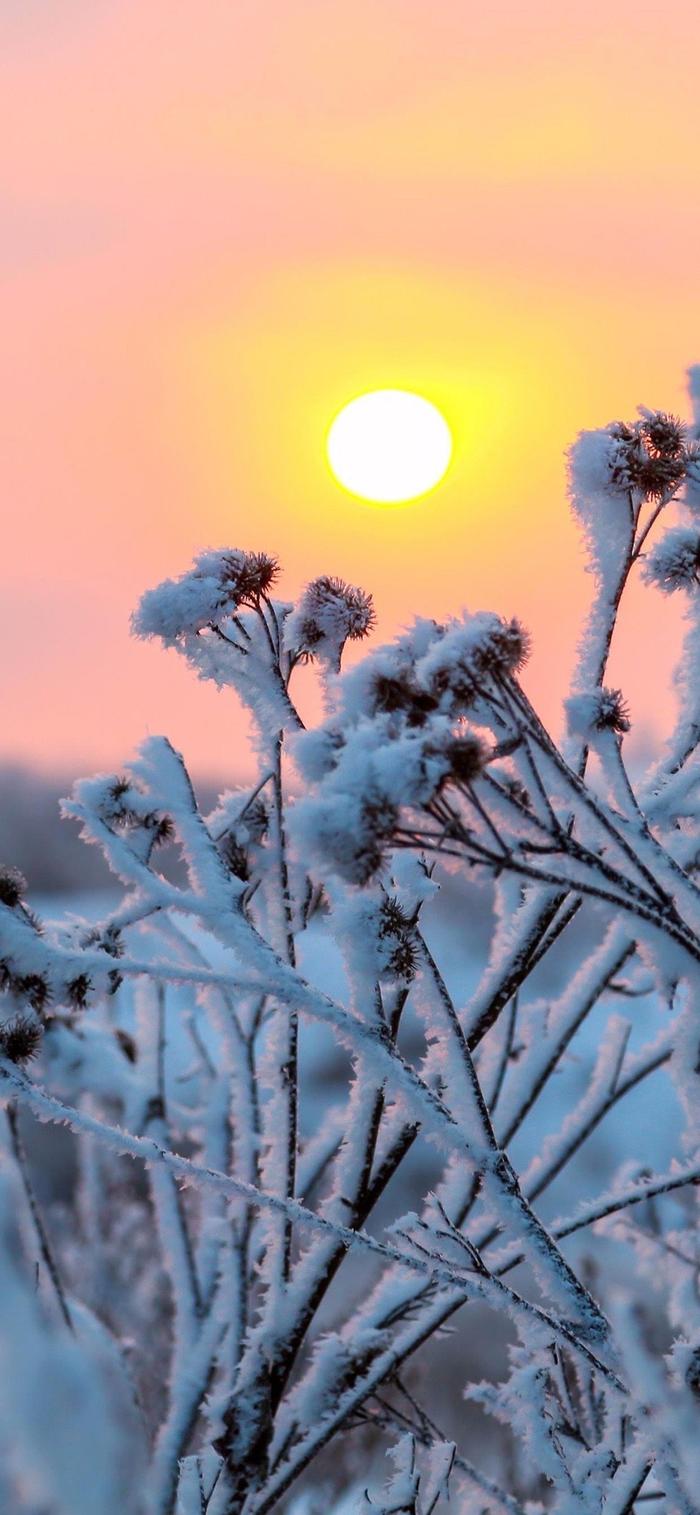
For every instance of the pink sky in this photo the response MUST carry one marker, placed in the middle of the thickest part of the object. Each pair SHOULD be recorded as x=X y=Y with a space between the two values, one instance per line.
x=220 y=221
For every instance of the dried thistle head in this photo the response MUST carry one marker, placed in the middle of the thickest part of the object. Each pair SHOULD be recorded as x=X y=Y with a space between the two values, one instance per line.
x=235 y=856
x=330 y=613
x=253 y=576
x=665 y=435
x=393 y=919
x=403 y=959
x=470 y=654
x=467 y=757
x=612 y=713
x=328 y=592
x=123 y=807
x=77 y=991
x=13 y=886
x=395 y=929
x=161 y=826
x=108 y=940
x=506 y=650
x=20 y=1039
x=216 y=585
x=35 y=988
x=650 y=457
x=595 y=711
x=393 y=693
x=119 y=788
x=674 y=563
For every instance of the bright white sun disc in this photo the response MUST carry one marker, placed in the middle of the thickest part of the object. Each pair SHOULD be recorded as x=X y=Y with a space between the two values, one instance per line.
x=389 y=446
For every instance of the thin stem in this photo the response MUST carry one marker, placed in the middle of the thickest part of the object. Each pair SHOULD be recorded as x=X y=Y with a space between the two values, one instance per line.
x=45 y=1249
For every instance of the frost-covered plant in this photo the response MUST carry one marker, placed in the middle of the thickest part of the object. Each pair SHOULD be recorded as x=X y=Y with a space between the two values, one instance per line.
x=212 y=1318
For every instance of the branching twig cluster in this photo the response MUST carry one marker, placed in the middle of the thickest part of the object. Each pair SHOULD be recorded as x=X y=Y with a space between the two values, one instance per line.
x=178 y=1031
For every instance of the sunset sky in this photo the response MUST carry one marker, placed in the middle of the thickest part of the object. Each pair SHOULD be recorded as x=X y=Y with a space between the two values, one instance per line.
x=223 y=220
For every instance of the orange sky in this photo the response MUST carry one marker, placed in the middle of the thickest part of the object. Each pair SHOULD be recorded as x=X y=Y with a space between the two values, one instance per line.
x=222 y=220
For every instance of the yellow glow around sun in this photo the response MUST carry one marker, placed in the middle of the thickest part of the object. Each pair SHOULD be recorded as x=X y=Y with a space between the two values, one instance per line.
x=389 y=446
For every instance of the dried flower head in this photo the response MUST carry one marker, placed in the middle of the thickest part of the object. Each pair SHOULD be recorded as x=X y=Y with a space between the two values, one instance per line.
x=596 y=711
x=215 y=587
x=506 y=651
x=665 y=435
x=12 y=886
x=393 y=918
x=76 y=991
x=123 y=806
x=161 y=826
x=330 y=613
x=675 y=561
x=108 y=940
x=119 y=788
x=35 y=988
x=471 y=652
x=649 y=457
x=235 y=856
x=391 y=694
x=467 y=757
x=403 y=958
x=256 y=575
x=612 y=713
x=395 y=930
x=20 y=1039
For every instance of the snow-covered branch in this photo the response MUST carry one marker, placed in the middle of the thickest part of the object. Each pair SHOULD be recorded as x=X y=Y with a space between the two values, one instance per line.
x=349 y=1133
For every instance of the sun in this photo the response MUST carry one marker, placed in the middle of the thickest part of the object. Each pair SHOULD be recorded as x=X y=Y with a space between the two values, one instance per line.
x=389 y=446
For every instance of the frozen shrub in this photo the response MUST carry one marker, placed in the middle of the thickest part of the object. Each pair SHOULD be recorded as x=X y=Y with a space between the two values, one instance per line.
x=202 y=1332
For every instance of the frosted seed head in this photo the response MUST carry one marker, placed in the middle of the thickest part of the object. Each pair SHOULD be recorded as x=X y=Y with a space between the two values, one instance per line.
x=665 y=435
x=77 y=991
x=674 y=563
x=506 y=650
x=392 y=694
x=13 y=886
x=330 y=613
x=467 y=758
x=649 y=458
x=235 y=857
x=20 y=1039
x=214 y=588
x=613 y=713
x=395 y=929
x=35 y=988
x=599 y=710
